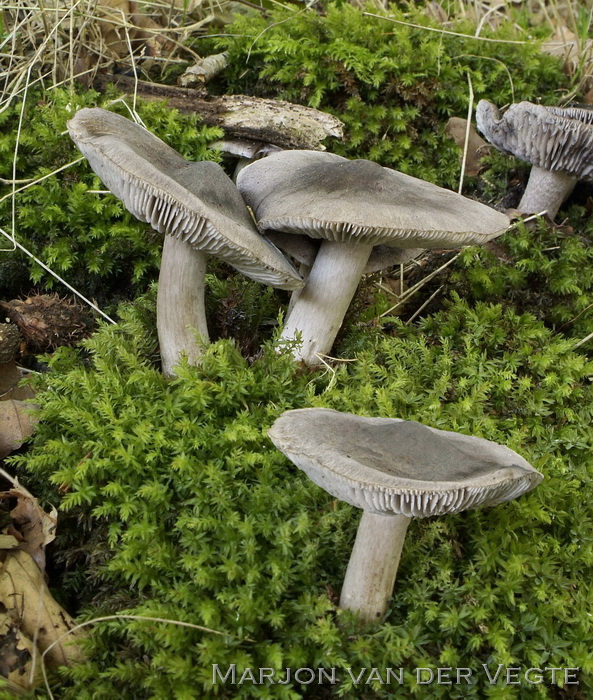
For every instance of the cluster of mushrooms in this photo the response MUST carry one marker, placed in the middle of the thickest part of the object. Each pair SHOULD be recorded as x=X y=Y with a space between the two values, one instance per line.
x=340 y=219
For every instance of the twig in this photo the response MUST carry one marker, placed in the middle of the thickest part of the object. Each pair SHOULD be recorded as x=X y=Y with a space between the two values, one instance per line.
x=426 y=303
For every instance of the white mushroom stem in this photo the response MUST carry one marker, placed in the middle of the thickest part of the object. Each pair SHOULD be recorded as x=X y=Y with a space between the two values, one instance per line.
x=304 y=272
x=373 y=565
x=545 y=191
x=180 y=304
x=318 y=312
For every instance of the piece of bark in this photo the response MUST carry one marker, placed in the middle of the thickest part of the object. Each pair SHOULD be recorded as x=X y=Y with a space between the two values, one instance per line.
x=279 y=122
x=204 y=70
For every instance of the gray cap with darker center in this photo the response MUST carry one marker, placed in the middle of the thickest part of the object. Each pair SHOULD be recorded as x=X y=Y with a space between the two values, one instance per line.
x=327 y=196
x=387 y=465
x=196 y=202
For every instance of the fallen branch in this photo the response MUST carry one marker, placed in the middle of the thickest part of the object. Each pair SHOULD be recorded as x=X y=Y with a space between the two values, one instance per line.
x=282 y=123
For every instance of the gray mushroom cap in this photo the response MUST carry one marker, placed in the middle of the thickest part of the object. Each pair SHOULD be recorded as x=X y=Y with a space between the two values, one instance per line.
x=245 y=148
x=195 y=202
x=552 y=138
x=330 y=197
x=304 y=249
x=392 y=466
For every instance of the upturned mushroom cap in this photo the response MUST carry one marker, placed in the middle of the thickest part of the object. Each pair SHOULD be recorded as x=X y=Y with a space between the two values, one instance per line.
x=392 y=466
x=304 y=250
x=330 y=197
x=551 y=138
x=195 y=202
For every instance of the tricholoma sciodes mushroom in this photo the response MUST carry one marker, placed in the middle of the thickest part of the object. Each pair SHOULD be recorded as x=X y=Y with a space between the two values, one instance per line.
x=394 y=470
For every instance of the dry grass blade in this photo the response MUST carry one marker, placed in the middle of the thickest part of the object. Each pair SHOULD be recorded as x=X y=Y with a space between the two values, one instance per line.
x=143 y=618
x=415 y=288
x=446 y=31
x=51 y=42
x=470 y=108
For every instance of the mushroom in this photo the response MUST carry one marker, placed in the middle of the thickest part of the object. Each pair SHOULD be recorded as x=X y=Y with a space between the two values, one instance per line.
x=353 y=206
x=304 y=250
x=557 y=142
x=244 y=151
x=196 y=204
x=394 y=470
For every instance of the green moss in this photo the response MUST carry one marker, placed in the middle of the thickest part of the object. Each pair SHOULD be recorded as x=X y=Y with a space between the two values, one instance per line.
x=203 y=521
x=546 y=270
x=393 y=85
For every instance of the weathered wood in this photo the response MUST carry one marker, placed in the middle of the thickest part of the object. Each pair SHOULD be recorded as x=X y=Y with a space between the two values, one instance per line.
x=204 y=70
x=282 y=123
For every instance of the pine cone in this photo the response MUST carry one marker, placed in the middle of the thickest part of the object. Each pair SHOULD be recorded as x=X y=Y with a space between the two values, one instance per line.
x=46 y=321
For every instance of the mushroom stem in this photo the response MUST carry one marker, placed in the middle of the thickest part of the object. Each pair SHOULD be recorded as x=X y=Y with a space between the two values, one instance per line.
x=373 y=565
x=319 y=310
x=304 y=272
x=545 y=191
x=180 y=304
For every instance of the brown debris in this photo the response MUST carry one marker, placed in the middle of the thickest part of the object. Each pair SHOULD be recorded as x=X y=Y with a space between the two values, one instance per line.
x=456 y=128
x=47 y=321
x=16 y=425
x=29 y=616
x=31 y=525
x=204 y=70
x=10 y=340
x=30 y=619
x=567 y=46
x=124 y=27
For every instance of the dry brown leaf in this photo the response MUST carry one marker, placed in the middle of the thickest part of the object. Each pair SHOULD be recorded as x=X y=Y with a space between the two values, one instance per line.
x=477 y=148
x=566 y=45
x=8 y=542
x=116 y=12
x=16 y=424
x=31 y=611
x=10 y=376
x=21 y=392
x=10 y=383
x=141 y=30
x=36 y=527
x=155 y=44
x=16 y=657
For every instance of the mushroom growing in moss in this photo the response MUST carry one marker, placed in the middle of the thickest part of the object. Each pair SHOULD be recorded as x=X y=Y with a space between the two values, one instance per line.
x=196 y=204
x=557 y=142
x=394 y=470
x=352 y=206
